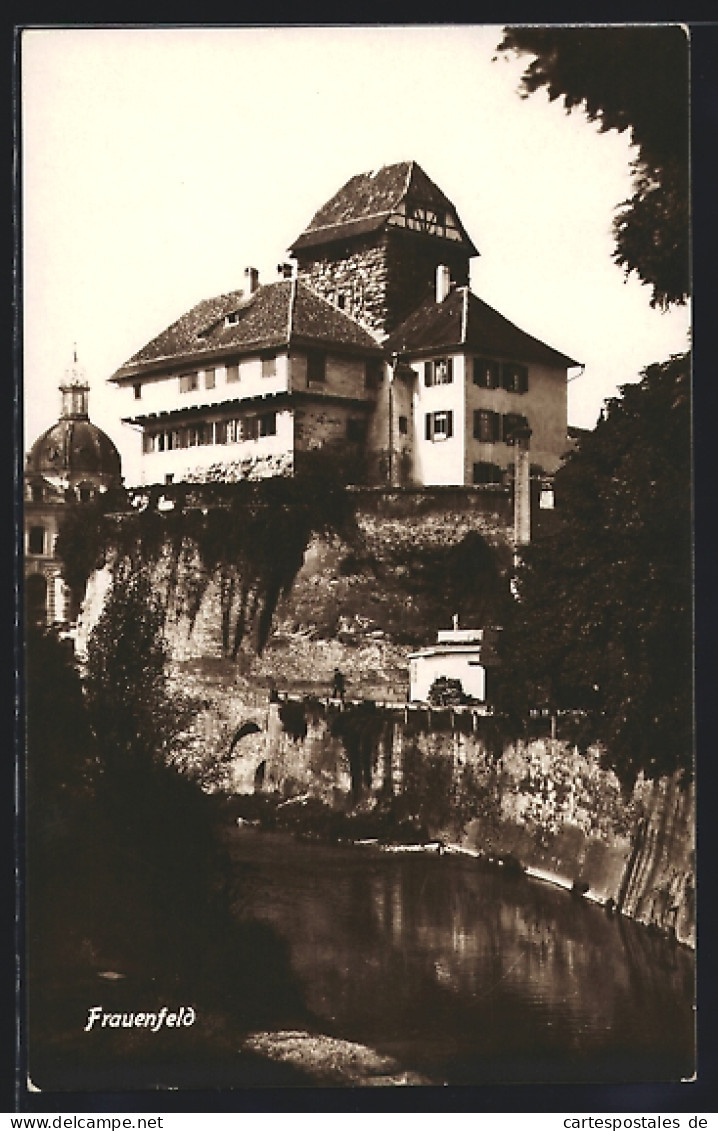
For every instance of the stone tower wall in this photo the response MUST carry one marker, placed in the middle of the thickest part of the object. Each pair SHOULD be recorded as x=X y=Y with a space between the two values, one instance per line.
x=382 y=277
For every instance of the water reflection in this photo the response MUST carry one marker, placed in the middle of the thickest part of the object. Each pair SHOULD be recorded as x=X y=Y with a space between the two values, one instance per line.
x=469 y=975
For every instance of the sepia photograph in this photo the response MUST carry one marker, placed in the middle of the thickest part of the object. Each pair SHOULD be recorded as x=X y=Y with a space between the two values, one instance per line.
x=357 y=557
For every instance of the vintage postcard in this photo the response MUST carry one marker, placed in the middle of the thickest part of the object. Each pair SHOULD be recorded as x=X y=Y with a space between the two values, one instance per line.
x=356 y=557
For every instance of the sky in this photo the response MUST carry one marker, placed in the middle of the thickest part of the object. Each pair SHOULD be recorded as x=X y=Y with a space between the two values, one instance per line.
x=158 y=163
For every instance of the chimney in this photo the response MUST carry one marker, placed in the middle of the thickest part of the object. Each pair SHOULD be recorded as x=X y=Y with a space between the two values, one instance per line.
x=253 y=276
x=443 y=282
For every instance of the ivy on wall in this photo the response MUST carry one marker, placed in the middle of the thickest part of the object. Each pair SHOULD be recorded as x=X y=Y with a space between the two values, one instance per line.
x=251 y=536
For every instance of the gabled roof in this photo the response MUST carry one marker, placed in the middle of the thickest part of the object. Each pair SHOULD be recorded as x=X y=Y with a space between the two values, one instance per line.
x=276 y=315
x=367 y=200
x=463 y=321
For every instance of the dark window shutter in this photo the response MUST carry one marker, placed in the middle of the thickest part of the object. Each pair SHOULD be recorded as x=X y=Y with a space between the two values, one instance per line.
x=523 y=379
x=428 y=425
x=427 y=372
x=449 y=370
x=449 y=424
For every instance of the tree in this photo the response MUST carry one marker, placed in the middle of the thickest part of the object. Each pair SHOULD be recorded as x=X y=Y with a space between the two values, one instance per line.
x=635 y=79
x=135 y=720
x=603 y=620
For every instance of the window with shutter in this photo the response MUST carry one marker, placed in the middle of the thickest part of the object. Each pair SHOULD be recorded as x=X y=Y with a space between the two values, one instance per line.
x=209 y=378
x=232 y=374
x=442 y=425
x=487 y=426
x=512 y=423
x=514 y=377
x=487 y=373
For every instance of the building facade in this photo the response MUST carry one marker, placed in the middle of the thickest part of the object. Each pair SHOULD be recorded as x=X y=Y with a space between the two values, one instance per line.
x=371 y=343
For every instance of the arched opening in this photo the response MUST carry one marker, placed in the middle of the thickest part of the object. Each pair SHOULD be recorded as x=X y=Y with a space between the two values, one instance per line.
x=36 y=599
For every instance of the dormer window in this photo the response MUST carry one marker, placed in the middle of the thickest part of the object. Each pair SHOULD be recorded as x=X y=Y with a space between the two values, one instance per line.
x=232 y=318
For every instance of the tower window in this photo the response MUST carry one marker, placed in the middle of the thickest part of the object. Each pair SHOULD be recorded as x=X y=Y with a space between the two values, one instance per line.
x=316 y=366
x=137 y=390
x=403 y=425
x=372 y=373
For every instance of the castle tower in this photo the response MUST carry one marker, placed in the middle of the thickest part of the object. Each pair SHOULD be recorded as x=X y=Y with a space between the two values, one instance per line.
x=374 y=248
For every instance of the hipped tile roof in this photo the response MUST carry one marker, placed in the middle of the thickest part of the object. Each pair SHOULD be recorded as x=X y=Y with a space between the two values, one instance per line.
x=464 y=321
x=367 y=200
x=274 y=316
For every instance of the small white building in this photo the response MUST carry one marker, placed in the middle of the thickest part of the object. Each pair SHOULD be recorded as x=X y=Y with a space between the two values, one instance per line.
x=457 y=654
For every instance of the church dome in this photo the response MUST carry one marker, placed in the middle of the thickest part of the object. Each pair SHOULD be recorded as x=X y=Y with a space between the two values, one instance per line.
x=74 y=449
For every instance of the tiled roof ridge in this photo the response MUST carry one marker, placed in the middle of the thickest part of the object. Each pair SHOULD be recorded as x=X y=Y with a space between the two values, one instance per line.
x=356 y=220
x=409 y=176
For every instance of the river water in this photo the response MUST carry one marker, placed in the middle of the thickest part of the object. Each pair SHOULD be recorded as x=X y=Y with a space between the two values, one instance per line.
x=465 y=974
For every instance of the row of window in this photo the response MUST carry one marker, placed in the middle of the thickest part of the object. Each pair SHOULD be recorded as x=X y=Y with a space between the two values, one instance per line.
x=489 y=427
x=211 y=432
x=316 y=373
x=487 y=374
